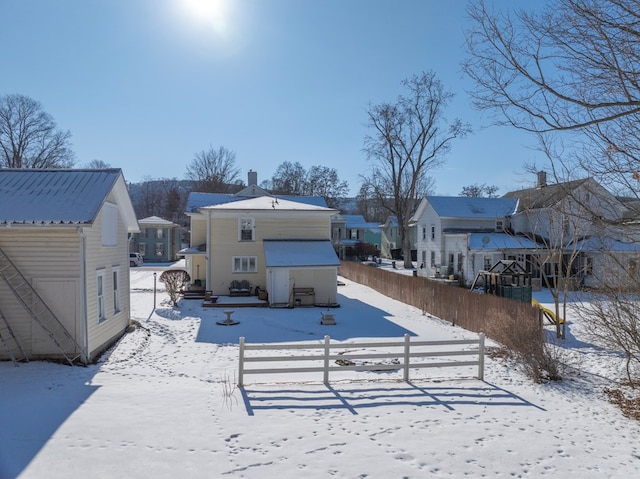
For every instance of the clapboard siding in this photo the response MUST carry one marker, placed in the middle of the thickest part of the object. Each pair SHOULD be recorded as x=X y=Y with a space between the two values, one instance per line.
x=41 y=254
x=107 y=259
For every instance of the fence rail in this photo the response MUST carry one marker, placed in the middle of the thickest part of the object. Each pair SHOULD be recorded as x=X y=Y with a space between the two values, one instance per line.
x=406 y=352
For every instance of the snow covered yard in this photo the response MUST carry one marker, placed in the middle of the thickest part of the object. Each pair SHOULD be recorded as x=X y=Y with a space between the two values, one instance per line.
x=163 y=404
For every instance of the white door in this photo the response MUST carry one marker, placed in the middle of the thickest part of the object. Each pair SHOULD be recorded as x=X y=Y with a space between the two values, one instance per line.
x=278 y=286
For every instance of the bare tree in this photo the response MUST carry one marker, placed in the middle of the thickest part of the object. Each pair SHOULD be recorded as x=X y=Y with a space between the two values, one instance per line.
x=29 y=137
x=213 y=171
x=174 y=280
x=293 y=179
x=323 y=181
x=479 y=191
x=571 y=67
x=98 y=165
x=288 y=179
x=410 y=137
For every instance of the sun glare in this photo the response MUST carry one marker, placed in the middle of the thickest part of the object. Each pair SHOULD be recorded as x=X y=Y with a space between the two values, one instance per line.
x=210 y=13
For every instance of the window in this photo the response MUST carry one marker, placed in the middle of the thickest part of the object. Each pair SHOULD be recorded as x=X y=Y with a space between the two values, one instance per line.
x=588 y=265
x=244 y=264
x=100 y=291
x=433 y=232
x=160 y=233
x=246 y=229
x=336 y=234
x=142 y=248
x=424 y=259
x=110 y=225
x=433 y=258
x=487 y=263
x=159 y=249
x=499 y=225
x=354 y=234
x=424 y=232
x=116 y=290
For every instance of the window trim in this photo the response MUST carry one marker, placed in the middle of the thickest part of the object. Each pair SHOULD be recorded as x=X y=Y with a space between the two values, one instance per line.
x=251 y=223
x=100 y=294
x=115 y=275
x=250 y=261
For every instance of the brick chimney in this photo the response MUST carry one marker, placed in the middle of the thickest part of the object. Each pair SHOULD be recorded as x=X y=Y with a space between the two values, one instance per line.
x=252 y=179
x=542 y=179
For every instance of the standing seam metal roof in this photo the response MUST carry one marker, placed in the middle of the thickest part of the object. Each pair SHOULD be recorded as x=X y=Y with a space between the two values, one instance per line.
x=53 y=196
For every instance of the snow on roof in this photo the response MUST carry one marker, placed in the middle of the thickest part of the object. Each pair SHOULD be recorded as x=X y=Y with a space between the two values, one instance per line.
x=493 y=241
x=54 y=196
x=469 y=207
x=606 y=244
x=287 y=253
x=196 y=200
x=156 y=221
x=267 y=203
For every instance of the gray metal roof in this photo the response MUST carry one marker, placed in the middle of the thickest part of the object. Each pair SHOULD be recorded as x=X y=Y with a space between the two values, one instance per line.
x=31 y=196
x=298 y=253
x=469 y=207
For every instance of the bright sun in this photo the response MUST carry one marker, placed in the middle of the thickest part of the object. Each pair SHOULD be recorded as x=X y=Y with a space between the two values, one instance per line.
x=212 y=13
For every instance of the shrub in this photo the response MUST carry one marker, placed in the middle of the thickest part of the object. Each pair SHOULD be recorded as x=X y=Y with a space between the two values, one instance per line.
x=174 y=280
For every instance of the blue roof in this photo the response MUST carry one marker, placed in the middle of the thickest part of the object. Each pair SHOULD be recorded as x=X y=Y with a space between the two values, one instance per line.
x=358 y=222
x=296 y=253
x=493 y=241
x=54 y=196
x=200 y=200
x=469 y=207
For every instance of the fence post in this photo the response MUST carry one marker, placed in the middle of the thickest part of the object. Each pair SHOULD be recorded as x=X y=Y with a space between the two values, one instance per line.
x=407 y=348
x=481 y=356
x=241 y=365
x=327 y=351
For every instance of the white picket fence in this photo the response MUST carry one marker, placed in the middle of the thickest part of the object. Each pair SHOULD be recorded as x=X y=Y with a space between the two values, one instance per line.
x=405 y=354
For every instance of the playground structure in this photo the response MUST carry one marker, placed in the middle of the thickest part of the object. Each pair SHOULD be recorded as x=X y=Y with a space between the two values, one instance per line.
x=547 y=313
x=506 y=278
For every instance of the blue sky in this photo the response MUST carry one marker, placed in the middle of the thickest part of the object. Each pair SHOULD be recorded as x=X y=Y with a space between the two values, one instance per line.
x=145 y=84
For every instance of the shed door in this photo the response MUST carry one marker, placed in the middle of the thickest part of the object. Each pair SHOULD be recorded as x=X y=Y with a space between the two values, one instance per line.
x=278 y=285
x=60 y=296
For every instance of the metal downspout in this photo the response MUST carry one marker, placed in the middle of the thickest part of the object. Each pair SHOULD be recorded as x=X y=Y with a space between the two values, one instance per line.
x=84 y=333
x=207 y=280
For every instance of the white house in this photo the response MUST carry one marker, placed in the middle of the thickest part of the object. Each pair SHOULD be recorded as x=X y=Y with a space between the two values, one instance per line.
x=458 y=235
x=64 y=262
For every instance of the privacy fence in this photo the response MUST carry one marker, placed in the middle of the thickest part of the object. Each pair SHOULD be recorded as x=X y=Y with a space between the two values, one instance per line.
x=495 y=316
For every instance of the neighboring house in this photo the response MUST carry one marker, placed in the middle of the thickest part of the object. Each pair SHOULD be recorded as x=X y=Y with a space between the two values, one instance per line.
x=548 y=229
x=458 y=236
x=353 y=229
x=277 y=243
x=390 y=241
x=158 y=241
x=576 y=219
x=64 y=262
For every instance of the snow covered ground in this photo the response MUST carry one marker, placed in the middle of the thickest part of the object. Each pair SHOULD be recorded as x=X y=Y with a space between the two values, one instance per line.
x=161 y=404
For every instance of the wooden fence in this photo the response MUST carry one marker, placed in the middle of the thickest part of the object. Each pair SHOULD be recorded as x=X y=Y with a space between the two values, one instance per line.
x=399 y=355
x=469 y=310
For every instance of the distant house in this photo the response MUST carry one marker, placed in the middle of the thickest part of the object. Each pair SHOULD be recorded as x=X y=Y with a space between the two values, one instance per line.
x=357 y=230
x=158 y=240
x=391 y=243
x=276 y=243
x=460 y=236
x=64 y=262
x=593 y=231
